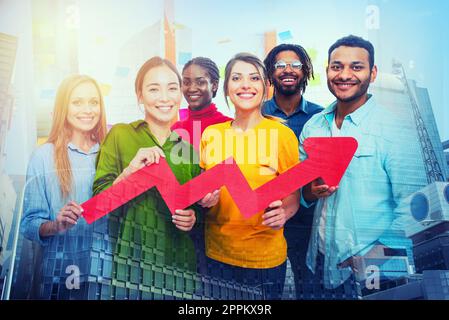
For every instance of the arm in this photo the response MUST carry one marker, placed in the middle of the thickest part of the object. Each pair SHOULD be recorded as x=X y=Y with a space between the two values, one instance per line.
x=316 y=189
x=37 y=224
x=108 y=167
x=279 y=212
x=36 y=207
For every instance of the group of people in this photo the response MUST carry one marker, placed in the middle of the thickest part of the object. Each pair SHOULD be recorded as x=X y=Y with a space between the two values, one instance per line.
x=322 y=229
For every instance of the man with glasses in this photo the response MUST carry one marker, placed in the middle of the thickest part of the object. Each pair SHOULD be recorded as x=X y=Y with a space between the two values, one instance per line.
x=289 y=69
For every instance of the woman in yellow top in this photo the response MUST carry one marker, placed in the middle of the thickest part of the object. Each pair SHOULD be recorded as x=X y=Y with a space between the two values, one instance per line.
x=250 y=251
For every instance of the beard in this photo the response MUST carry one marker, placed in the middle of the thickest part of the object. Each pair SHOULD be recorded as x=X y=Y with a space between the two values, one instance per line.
x=363 y=89
x=287 y=90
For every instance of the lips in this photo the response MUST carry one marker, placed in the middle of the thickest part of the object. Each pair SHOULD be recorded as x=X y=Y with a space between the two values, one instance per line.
x=345 y=85
x=85 y=119
x=164 y=108
x=288 y=80
x=194 y=97
x=246 y=95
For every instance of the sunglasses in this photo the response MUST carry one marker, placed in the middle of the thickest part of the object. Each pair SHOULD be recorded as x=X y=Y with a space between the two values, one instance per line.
x=281 y=65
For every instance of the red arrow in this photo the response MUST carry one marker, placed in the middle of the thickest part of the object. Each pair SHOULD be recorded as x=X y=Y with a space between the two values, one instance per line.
x=328 y=158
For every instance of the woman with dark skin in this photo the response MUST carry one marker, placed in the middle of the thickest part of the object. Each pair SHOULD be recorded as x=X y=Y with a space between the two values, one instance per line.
x=200 y=77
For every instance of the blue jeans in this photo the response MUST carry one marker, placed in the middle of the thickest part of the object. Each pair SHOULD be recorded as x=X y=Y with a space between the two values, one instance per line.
x=270 y=280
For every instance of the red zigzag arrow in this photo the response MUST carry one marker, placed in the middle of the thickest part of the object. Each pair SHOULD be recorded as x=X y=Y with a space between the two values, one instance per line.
x=328 y=158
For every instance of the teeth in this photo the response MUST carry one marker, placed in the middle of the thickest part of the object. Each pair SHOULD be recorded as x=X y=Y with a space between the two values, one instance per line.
x=246 y=95
x=288 y=80
x=164 y=108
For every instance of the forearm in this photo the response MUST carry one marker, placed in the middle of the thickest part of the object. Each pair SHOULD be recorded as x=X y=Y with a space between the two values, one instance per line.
x=290 y=204
x=125 y=173
x=48 y=229
x=307 y=193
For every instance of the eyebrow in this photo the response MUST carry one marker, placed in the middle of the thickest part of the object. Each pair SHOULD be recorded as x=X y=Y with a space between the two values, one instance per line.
x=158 y=84
x=352 y=63
x=239 y=73
x=197 y=78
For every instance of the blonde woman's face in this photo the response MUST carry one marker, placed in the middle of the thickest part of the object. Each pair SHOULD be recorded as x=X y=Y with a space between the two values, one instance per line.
x=84 y=107
x=245 y=86
x=160 y=95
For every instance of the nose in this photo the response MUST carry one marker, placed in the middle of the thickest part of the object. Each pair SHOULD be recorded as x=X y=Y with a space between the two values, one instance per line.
x=164 y=95
x=88 y=108
x=288 y=68
x=346 y=73
x=246 y=83
x=192 y=87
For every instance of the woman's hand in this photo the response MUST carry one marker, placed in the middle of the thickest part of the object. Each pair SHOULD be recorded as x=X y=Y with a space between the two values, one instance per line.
x=210 y=199
x=143 y=157
x=184 y=219
x=68 y=216
x=275 y=215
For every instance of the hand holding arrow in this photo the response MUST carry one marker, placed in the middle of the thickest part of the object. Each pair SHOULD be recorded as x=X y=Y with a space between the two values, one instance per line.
x=327 y=159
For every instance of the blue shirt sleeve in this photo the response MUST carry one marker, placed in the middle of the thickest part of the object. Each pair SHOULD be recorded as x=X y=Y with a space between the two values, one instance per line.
x=36 y=210
x=303 y=156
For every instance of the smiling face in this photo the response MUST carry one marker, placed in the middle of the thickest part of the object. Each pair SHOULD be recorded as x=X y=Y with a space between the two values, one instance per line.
x=349 y=74
x=287 y=81
x=160 y=95
x=197 y=87
x=84 y=107
x=246 y=87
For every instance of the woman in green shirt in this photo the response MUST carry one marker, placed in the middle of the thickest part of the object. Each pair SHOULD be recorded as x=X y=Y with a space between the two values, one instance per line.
x=153 y=255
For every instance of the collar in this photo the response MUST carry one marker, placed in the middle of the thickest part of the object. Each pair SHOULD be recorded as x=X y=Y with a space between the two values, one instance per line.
x=357 y=116
x=95 y=148
x=203 y=113
x=302 y=107
x=174 y=137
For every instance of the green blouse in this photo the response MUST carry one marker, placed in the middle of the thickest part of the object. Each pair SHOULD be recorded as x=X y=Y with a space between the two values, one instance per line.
x=147 y=246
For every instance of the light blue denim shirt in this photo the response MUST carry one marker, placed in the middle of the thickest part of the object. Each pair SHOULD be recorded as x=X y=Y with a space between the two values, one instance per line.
x=369 y=206
x=42 y=202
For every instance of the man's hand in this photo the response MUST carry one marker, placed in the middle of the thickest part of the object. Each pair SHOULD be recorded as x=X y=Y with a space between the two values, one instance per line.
x=317 y=189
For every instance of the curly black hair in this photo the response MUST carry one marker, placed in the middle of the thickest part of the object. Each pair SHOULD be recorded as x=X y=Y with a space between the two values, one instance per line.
x=307 y=67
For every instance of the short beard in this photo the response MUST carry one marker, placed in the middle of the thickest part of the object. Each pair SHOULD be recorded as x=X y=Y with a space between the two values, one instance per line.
x=361 y=92
x=287 y=92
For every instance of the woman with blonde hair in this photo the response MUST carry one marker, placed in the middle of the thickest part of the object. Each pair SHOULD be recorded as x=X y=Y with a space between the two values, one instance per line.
x=251 y=251
x=59 y=177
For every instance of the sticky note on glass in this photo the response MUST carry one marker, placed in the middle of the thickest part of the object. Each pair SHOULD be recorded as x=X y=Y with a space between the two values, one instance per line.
x=222 y=70
x=184 y=57
x=285 y=35
x=122 y=72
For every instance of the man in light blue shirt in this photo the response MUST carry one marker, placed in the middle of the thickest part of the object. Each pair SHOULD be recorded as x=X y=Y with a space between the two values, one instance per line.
x=364 y=215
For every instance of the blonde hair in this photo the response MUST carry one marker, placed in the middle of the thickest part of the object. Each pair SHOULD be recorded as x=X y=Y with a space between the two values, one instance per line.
x=61 y=130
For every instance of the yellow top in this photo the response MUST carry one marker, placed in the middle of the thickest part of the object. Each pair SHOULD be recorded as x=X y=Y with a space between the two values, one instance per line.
x=261 y=153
